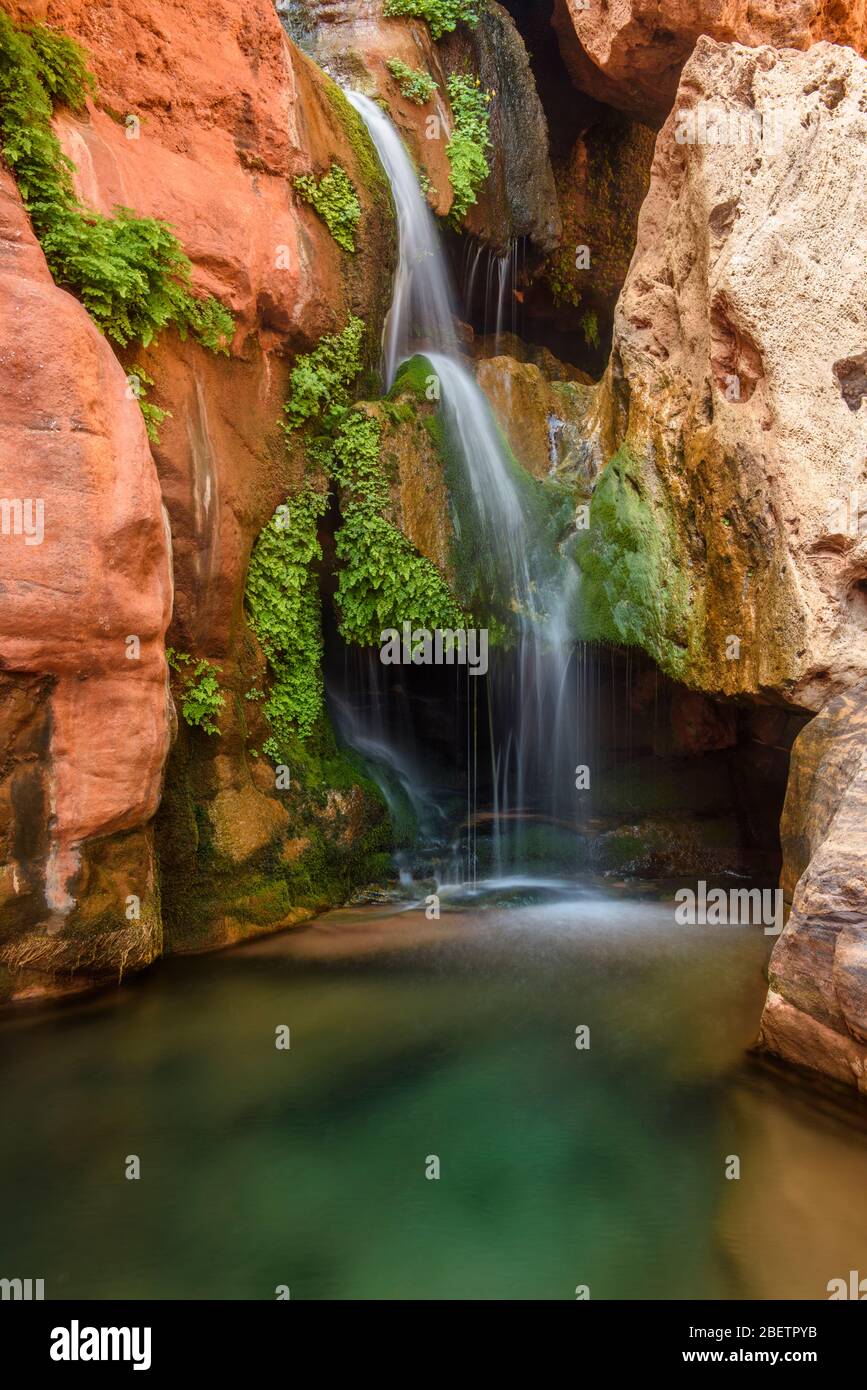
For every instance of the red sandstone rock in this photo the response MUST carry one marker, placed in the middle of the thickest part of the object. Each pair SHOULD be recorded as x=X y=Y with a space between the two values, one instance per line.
x=630 y=53
x=223 y=111
x=72 y=441
x=816 y=1014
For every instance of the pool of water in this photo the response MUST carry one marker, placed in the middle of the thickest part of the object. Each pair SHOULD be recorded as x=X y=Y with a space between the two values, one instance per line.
x=413 y=1039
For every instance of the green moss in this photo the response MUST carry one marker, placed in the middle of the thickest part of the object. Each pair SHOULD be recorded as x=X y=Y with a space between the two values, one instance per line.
x=344 y=848
x=635 y=591
x=383 y=581
x=282 y=597
x=369 y=170
x=336 y=202
x=412 y=376
x=443 y=16
x=466 y=150
x=130 y=272
x=201 y=697
x=415 y=85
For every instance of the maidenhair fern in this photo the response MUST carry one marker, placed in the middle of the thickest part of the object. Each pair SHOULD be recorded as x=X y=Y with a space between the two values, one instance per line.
x=383 y=580
x=442 y=15
x=201 y=697
x=283 y=601
x=335 y=200
x=320 y=380
x=415 y=85
x=153 y=414
x=130 y=272
x=467 y=148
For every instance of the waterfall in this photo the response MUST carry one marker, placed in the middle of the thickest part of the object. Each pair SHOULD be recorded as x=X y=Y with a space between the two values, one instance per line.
x=422 y=312
x=532 y=689
x=495 y=306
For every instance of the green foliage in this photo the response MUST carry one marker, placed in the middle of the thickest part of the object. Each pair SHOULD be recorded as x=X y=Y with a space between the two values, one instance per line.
x=282 y=593
x=590 y=329
x=483 y=577
x=417 y=86
x=442 y=15
x=384 y=582
x=468 y=165
x=559 y=272
x=61 y=66
x=130 y=272
x=635 y=591
x=153 y=414
x=283 y=602
x=355 y=461
x=201 y=699
x=335 y=200
x=321 y=379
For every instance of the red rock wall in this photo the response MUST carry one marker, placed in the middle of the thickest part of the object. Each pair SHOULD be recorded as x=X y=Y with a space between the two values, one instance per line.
x=204 y=113
x=630 y=54
x=73 y=443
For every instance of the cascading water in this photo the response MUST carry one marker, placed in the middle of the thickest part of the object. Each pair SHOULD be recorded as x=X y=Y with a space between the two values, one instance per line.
x=492 y=299
x=422 y=312
x=532 y=687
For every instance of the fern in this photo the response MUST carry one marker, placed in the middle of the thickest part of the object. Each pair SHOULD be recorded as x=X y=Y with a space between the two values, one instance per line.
x=130 y=272
x=335 y=200
x=201 y=697
x=467 y=148
x=282 y=598
x=442 y=15
x=415 y=85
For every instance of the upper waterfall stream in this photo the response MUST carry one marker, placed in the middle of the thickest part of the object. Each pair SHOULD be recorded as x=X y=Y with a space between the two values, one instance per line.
x=532 y=696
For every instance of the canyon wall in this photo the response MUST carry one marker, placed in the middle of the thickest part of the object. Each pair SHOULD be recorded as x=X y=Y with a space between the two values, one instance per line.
x=631 y=53
x=726 y=535
x=84 y=703
x=204 y=115
x=730 y=390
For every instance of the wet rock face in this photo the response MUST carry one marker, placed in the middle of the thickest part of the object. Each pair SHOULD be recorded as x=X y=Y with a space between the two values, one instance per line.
x=84 y=705
x=519 y=199
x=630 y=53
x=544 y=414
x=354 y=41
x=726 y=385
x=602 y=181
x=816 y=1012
